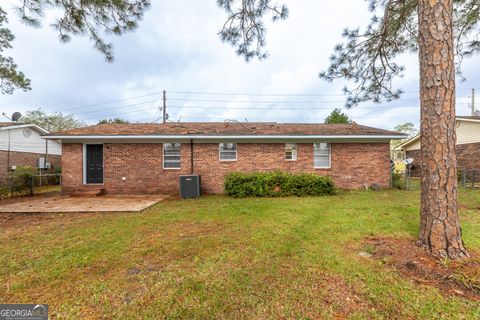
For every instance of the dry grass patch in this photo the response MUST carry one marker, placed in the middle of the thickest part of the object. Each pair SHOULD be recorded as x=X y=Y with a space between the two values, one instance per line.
x=452 y=278
x=222 y=258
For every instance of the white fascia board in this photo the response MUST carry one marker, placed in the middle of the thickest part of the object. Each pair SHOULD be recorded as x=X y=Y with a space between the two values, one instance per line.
x=20 y=126
x=468 y=120
x=406 y=143
x=239 y=138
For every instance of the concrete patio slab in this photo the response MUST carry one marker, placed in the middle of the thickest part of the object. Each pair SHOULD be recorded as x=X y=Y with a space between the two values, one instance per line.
x=52 y=204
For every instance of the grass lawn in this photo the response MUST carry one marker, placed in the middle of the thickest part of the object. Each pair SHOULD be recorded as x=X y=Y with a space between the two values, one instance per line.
x=222 y=258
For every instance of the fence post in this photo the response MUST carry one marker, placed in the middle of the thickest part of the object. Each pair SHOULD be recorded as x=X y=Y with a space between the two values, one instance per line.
x=464 y=178
x=32 y=185
x=10 y=185
x=407 y=179
x=473 y=178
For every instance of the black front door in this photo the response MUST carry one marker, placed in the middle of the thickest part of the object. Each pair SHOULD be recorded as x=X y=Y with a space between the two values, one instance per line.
x=94 y=159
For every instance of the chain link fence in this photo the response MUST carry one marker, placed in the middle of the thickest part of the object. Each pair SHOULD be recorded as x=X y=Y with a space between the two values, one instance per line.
x=405 y=181
x=467 y=178
x=27 y=184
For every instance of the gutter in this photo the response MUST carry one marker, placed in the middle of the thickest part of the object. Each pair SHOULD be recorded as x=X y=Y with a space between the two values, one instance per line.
x=219 y=137
x=19 y=126
x=407 y=142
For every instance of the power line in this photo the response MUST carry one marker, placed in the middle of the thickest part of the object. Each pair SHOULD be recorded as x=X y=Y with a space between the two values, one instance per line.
x=298 y=108
x=257 y=94
x=110 y=102
x=115 y=107
x=277 y=94
x=311 y=117
x=269 y=101
x=292 y=108
x=121 y=113
x=226 y=94
x=243 y=116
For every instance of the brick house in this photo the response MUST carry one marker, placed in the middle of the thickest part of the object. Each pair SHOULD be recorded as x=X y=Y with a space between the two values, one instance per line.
x=149 y=158
x=468 y=145
x=22 y=145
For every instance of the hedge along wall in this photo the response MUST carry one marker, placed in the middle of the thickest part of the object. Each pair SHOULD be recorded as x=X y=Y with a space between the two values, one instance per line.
x=277 y=184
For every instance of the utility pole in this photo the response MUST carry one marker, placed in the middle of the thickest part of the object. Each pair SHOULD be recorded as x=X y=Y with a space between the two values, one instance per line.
x=473 y=102
x=164 y=108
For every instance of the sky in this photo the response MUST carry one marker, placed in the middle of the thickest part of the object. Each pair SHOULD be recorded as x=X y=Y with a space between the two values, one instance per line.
x=177 y=49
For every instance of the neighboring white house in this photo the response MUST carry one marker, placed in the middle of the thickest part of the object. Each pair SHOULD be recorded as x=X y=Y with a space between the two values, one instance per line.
x=22 y=145
x=468 y=144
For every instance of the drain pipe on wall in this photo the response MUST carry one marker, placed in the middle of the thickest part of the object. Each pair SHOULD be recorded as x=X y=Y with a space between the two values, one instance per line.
x=191 y=156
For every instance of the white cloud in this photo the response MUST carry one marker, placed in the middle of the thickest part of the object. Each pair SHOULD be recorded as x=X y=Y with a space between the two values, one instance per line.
x=176 y=48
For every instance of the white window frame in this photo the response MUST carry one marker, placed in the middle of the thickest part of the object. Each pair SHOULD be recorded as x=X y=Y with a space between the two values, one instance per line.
x=294 y=151
x=329 y=156
x=220 y=152
x=163 y=156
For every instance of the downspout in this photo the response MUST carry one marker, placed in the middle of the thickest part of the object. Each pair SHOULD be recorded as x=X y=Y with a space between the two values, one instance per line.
x=191 y=156
x=8 y=153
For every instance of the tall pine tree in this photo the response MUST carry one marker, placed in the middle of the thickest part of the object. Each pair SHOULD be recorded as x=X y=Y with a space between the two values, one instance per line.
x=440 y=31
x=337 y=116
x=78 y=18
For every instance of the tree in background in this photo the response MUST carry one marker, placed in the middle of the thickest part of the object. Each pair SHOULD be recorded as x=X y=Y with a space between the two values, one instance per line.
x=77 y=18
x=114 y=120
x=439 y=30
x=10 y=77
x=337 y=116
x=408 y=128
x=55 y=121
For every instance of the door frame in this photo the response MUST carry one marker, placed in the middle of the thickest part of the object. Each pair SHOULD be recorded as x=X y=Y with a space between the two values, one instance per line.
x=84 y=173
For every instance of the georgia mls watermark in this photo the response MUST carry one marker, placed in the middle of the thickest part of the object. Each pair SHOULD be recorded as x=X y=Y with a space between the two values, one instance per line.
x=23 y=312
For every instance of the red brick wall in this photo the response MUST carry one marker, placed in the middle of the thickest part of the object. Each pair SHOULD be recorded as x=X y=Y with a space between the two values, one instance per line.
x=142 y=166
x=353 y=165
x=72 y=166
x=25 y=159
x=468 y=157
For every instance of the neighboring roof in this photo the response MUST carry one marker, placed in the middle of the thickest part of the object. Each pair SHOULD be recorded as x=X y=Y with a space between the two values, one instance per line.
x=407 y=142
x=13 y=125
x=416 y=137
x=206 y=129
x=474 y=118
x=6 y=124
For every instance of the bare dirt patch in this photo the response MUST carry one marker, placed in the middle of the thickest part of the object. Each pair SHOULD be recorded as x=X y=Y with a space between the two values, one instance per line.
x=457 y=278
x=17 y=222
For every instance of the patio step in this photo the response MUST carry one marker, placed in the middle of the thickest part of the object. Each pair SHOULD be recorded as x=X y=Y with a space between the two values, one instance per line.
x=88 y=192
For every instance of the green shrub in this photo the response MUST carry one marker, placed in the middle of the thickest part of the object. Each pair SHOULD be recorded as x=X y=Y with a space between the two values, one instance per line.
x=276 y=184
x=397 y=181
x=22 y=178
x=24 y=175
x=4 y=192
x=459 y=175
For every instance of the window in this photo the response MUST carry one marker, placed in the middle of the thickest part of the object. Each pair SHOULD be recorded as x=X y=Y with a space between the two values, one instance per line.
x=321 y=155
x=290 y=151
x=227 y=151
x=171 y=156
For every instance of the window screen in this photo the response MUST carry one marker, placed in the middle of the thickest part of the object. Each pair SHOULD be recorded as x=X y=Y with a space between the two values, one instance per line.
x=321 y=155
x=290 y=151
x=228 y=151
x=171 y=155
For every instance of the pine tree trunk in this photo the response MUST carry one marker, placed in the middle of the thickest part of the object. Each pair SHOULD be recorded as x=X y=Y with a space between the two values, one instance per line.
x=440 y=231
